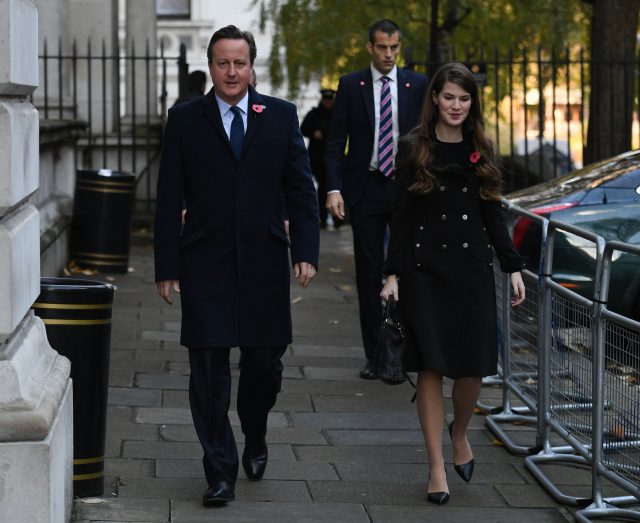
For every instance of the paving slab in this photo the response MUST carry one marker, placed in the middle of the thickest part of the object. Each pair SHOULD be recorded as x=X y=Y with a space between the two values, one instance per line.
x=139 y=468
x=162 y=416
x=452 y=514
x=187 y=450
x=185 y=512
x=280 y=470
x=135 y=397
x=382 y=493
x=123 y=510
x=289 y=435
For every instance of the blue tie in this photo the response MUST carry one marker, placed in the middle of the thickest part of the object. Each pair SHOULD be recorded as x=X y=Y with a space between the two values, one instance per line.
x=385 y=130
x=236 y=136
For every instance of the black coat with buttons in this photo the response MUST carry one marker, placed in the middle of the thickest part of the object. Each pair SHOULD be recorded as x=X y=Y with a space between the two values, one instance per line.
x=441 y=247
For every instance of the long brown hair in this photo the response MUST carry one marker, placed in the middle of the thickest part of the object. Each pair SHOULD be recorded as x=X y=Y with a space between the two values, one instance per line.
x=422 y=138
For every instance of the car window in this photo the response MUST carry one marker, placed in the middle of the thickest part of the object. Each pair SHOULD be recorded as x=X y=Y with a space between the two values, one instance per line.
x=605 y=194
x=629 y=180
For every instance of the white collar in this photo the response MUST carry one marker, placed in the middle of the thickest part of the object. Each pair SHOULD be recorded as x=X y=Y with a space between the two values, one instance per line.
x=392 y=75
x=242 y=104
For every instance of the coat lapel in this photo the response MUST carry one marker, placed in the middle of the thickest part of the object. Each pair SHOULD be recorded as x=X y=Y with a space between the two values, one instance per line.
x=366 y=87
x=212 y=112
x=254 y=118
x=404 y=89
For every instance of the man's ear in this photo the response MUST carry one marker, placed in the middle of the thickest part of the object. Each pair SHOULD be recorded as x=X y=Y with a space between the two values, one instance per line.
x=370 y=47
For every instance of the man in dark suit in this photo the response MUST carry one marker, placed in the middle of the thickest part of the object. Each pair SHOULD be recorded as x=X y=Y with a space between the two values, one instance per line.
x=372 y=109
x=315 y=126
x=232 y=155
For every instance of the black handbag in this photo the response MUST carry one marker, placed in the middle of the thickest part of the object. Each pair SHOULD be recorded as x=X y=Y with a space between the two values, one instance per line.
x=389 y=364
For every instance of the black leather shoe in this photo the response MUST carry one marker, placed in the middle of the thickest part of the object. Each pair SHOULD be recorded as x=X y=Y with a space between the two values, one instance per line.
x=368 y=371
x=465 y=471
x=254 y=460
x=218 y=493
x=437 y=498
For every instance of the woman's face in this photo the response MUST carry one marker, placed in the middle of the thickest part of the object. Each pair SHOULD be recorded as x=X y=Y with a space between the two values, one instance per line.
x=453 y=104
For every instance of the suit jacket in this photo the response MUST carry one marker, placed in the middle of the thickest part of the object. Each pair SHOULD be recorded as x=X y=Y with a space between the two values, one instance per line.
x=354 y=119
x=232 y=255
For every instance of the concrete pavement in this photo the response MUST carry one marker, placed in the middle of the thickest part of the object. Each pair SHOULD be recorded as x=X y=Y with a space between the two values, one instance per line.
x=341 y=449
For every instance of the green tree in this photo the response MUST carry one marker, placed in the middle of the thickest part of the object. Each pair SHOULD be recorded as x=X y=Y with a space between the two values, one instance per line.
x=326 y=38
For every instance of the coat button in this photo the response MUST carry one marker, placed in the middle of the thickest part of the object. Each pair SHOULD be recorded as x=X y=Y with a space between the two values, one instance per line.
x=417 y=245
x=422 y=227
x=488 y=246
x=443 y=217
x=444 y=246
x=490 y=264
x=465 y=245
x=442 y=187
x=464 y=216
x=418 y=264
x=464 y=189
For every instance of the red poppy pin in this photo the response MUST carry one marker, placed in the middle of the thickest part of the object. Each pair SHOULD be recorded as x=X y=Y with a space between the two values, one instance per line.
x=257 y=108
x=474 y=157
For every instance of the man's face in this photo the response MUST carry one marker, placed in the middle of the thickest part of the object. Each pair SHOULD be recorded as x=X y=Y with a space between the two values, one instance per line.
x=230 y=69
x=384 y=51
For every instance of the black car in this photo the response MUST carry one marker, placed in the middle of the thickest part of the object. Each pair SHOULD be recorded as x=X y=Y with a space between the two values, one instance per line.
x=604 y=198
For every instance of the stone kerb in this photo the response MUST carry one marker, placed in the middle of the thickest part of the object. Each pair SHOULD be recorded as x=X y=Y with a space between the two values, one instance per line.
x=18 y=47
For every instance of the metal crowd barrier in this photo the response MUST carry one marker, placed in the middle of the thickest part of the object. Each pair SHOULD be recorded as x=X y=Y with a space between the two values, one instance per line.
x=575 y=366
x=519 y=360
x=616 y=416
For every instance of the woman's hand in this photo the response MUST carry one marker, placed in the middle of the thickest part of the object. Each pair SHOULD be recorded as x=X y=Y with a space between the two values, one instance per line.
x=518 y=289
x=390 y=287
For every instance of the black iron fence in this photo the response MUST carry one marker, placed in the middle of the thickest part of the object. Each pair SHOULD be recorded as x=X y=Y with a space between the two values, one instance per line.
x=536 y=106
x=121 y=95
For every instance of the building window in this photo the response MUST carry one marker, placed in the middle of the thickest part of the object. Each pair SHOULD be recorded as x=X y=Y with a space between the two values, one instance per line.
x=173 y=9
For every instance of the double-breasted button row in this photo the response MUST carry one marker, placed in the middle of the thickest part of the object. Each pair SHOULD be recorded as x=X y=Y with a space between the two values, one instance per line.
x=465 y=217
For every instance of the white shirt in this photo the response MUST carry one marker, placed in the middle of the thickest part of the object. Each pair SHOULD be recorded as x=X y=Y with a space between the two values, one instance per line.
x=377 y=90
x=227 y=113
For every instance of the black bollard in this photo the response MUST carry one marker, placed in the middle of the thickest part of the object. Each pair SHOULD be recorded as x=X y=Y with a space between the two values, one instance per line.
x=101 y=220
x=77 y=317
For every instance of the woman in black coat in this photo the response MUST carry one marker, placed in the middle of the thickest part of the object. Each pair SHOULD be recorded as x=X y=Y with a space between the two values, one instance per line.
x=447 y=223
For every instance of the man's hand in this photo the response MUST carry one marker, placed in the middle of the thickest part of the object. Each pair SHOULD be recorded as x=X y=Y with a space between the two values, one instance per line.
x=335 y=204
x=164 y=289
x=304 y=273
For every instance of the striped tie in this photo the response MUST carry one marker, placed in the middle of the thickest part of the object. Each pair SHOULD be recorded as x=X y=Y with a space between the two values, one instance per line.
x=385 y=130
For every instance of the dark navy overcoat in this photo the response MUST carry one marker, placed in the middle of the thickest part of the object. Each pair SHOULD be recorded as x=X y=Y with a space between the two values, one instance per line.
x=232 y=254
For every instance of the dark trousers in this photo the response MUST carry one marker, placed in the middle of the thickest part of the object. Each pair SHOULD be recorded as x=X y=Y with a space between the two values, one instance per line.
x=369 y=221
x=210 y=395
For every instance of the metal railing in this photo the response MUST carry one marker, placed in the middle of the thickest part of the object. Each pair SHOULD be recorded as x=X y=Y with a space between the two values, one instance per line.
x=122 y=96
x=536 y=105
x=575 y=366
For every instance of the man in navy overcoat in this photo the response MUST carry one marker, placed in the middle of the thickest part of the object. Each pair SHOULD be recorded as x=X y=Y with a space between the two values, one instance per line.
x=234 y=158
x=361 y=179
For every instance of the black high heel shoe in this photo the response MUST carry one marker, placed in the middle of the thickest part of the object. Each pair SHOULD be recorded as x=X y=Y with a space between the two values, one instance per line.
x=465 y=471
x=437 y=498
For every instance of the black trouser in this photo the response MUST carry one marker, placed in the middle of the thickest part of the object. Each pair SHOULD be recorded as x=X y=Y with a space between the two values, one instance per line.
x=210 y=395
x=369 y=221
